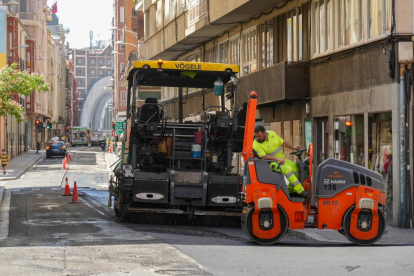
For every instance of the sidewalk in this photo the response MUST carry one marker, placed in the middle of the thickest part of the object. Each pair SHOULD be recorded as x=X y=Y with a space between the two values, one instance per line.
x=392 y=236
x=110 y=159
x=18 y=166
x=21 y=164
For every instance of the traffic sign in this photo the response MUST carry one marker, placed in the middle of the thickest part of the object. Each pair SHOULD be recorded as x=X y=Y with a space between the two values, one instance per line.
x=119 y=131
x=114 y=133
x=120 y=126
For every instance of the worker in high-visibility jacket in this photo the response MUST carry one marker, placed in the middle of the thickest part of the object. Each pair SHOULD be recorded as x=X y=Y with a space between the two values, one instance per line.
x=269 y=146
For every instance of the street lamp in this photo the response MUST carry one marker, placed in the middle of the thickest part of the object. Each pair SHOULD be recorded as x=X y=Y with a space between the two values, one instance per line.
x=125 y=43
x=125 y=30
x=21 y=46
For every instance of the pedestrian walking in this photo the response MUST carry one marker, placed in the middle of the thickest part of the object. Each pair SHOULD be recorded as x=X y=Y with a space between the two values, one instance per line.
x=4 y=160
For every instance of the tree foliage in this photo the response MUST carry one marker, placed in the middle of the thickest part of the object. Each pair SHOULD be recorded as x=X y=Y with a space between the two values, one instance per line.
x=13 y=80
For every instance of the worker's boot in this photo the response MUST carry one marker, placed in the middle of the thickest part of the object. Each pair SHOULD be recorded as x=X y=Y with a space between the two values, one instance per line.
x=305 y=195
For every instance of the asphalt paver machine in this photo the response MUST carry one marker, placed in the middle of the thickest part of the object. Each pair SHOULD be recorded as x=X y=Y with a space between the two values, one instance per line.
x=348 y=198
x=174 y=170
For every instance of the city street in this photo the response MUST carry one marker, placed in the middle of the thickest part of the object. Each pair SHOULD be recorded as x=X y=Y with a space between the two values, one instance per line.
x=49 y=235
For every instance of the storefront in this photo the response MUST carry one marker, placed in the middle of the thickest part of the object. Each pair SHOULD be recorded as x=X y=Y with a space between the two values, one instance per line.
x=350 y=145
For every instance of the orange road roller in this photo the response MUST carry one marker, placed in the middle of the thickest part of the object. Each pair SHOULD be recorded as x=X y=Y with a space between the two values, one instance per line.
x=347 y=197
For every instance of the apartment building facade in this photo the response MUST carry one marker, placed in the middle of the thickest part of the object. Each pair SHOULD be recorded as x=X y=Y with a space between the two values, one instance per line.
x=120 y=91
x=89 y=66
x=327 y=72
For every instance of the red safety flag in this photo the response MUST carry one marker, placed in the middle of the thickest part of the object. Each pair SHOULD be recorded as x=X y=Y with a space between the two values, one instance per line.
x=54 y=8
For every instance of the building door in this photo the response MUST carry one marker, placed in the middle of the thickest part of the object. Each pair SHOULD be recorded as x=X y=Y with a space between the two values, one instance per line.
x=322 y=139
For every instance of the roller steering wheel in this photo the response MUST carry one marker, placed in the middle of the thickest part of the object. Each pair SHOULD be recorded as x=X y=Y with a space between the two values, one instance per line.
x=298 y=153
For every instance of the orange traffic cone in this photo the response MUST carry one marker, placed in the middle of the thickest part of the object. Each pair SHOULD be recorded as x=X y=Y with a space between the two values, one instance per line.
x=67 y=190
x=75 y=197
x=64 y=164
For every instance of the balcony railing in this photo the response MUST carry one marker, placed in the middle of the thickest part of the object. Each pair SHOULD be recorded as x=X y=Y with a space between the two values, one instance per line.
x=197 y=8
x=28 y=16
x=141 y=49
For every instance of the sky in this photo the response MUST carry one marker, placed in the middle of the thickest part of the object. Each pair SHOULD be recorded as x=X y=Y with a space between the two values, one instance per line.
x=81 y=16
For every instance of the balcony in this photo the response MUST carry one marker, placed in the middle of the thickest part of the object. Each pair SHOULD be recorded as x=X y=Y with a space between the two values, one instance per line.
x=191 y=27
x=28 y=16
x=197 y=9
x=289 y=82
x=29 y=19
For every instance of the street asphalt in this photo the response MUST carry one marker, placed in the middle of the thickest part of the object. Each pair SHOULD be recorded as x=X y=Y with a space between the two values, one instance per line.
x=49 y=235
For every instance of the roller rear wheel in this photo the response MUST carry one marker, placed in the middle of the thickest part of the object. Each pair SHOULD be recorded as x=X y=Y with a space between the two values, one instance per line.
x=347 y=226
x=246 y=222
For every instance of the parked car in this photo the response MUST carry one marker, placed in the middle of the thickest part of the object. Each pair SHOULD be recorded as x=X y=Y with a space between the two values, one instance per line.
x=55 y=149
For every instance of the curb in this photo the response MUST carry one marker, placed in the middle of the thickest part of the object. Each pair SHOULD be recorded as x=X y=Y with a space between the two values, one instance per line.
x=20 y=173
x=311 y=236
x=301 y=236
x=2 y=189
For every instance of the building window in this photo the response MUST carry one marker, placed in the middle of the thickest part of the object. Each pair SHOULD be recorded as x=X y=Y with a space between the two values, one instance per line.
x=362 y=20
x=224 y=52
x=294 y=34
x=108 y=72
x=109 y=62
x=80 y=61
x=80 y=71
x=123 y=98
x=234 y=50
x=249 y=46
x=101 y=73
x=93 y=61
x=170 y=7
x=196 y=9
x=351 y=21
x=93 y=72
x=266 y=44
x=122 y=15
x=180 y=7
x=349 y=138
x=210 y=54
x=80 y=82
x=122 y=67
x=101 y=62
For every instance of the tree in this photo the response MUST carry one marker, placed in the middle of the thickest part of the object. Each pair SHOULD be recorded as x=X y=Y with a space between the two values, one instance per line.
x=12 y=81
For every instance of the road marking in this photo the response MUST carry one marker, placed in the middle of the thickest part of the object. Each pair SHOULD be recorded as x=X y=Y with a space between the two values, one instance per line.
x=35 y=189
x=4 y=216
x=50 y=206
x=56 y=189
x=90 y=206
x=22 y=176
